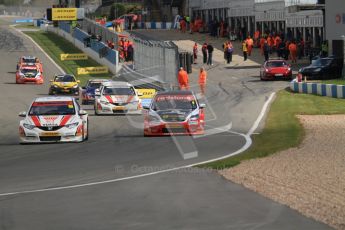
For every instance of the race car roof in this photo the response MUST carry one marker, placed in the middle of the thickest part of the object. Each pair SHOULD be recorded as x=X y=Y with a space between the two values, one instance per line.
x=117 y=84
x=62 y=75
x=47 y=99
x=99 y=80
x=29 y=67
x=28 y=57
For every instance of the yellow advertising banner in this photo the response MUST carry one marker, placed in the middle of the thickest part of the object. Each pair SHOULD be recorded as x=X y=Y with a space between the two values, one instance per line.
x=146 y=93
x=67 y=57
x=92 y=70
x=64 y=14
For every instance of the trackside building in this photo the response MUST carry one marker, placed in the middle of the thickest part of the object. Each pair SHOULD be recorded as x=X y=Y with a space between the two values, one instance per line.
x=335 y=27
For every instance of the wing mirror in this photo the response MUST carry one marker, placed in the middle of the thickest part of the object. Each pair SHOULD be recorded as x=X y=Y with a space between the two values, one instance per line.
x=82 y=112
x=146 y=107
x=202 y=105
x=97 y=92
x=22 y=114
x=51 y=80
x=78 y=81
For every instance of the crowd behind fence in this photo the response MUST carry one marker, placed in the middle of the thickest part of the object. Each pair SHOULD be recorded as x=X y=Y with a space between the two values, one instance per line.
x=102 y=49
x=91 y=27
x=158 y=59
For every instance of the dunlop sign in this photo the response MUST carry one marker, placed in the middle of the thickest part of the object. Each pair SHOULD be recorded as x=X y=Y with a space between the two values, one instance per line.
x=92 y=70
x=146 y=93
x=67 y=57
x=64 y=14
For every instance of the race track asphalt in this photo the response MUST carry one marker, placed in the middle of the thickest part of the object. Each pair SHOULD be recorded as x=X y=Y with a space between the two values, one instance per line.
x=184 y=199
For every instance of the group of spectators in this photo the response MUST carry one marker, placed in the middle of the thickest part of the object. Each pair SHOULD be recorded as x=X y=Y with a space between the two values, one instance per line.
x=289 y=49
x=126 y=49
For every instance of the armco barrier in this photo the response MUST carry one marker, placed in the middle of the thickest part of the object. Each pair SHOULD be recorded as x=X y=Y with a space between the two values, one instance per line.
x=328 y=90
x=65 y=27
x=110 y=60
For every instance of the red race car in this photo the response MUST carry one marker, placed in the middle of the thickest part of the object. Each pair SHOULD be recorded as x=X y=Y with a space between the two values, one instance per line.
x=29 y=60
x=174 y=113
x=275 y=69
x=29 y=73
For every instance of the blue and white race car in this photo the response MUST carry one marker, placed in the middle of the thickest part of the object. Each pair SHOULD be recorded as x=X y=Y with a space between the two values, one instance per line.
x=88 y=92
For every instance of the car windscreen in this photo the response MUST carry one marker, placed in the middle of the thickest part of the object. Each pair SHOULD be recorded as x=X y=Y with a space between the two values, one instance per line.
x=95 y=85
x=29 y=60
x=52 y=108
x=276 y=64
x=118 y=91
x=321 y=62
x=29 y=71
x=66 y=78
x=167 y=102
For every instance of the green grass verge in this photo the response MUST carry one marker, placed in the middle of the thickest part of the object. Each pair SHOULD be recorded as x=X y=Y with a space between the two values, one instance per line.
x=340 y=81
x=283 y=129
x=55 y=45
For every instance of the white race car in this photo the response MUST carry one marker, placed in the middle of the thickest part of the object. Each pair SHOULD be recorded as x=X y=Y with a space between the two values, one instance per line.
x=53 y=119
x=117 y=97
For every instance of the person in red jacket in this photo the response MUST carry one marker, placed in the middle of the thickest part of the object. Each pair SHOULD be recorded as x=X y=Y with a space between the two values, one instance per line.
x=183 y=79
x=195 y=52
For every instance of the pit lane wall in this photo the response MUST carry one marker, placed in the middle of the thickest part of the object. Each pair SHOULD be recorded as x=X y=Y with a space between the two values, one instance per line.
x=155 y=25
x=76 y=37
x=327 y=90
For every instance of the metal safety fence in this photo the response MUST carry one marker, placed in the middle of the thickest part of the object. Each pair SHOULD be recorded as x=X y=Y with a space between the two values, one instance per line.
x=91 y=27
x=102 y=49
x=156 y=59
x=152 y=59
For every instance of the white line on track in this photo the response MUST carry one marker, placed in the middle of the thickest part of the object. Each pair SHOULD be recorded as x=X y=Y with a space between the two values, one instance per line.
x=222 y=129
x=242 y=149
x=213 y=131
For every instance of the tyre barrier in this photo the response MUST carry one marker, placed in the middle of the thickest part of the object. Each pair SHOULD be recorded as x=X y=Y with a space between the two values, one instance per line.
x=321 y=89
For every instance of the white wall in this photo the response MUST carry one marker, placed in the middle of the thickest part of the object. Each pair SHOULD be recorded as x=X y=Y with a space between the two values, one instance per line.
x=334 y=29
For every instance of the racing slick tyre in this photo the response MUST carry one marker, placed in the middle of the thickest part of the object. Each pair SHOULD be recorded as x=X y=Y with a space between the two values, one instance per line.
x=96 y=113
x=87 y=130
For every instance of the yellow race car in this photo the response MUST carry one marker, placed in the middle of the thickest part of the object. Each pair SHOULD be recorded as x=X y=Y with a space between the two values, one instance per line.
x=64 y=84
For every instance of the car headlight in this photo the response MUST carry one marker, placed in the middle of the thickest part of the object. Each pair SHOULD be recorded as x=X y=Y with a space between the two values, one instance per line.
x=300 y=70
x=194 y=117
x=73 y=125
x=105 y=102
x=75 y=86
x=318 y=70
x=21 y=74
x=289 y=69
x=55 y=86
x=28 y=126
x=153 y=118
x=193 y=120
